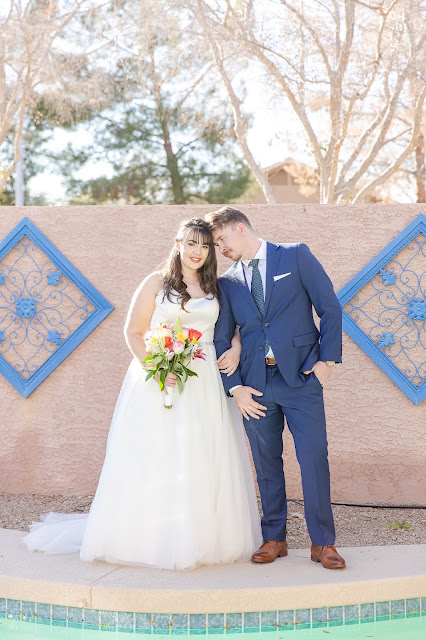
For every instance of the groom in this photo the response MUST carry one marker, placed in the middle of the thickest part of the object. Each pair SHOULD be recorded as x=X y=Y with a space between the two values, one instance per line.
x=285 y=361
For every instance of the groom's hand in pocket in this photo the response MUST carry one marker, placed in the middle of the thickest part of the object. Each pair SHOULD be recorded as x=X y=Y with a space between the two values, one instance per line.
x=247 y=404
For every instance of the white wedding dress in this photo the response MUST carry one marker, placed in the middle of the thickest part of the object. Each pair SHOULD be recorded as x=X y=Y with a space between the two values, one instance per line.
x=176 y=489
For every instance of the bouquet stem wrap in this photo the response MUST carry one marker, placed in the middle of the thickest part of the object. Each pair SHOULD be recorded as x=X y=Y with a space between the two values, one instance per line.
x=168 y=397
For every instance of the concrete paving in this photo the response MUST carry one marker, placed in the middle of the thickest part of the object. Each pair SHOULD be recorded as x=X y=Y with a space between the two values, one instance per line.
x=372 y=574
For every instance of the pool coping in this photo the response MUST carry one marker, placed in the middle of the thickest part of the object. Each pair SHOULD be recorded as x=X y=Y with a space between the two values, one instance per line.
x=380 y=582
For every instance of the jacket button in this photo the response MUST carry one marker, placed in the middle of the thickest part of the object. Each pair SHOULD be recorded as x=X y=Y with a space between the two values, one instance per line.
x=261 y=348
x=266 y=324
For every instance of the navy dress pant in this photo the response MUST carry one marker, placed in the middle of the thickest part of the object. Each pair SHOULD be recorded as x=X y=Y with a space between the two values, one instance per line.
x=303 y=408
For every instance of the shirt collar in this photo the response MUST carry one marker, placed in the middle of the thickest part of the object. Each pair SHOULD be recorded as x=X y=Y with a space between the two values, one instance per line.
x=260 y=255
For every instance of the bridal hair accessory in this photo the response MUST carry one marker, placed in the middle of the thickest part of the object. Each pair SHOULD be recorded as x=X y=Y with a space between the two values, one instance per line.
x=172 y=348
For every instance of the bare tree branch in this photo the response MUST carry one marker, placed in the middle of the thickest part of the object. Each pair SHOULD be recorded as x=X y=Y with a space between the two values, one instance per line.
x=361 y=51
x=31 y=63
x=403 y=156
x=240 y=126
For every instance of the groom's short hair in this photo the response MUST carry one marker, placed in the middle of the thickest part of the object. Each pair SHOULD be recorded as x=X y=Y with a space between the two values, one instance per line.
x=226 y=215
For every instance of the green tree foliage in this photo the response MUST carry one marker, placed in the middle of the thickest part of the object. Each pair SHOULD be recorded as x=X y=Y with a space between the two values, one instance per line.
x=150 y=118
x=37 y=134
x=167 y=155
x=166 y=135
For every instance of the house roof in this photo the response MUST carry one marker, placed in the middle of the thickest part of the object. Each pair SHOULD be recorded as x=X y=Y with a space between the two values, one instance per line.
x=278 y=166
x=293 y=167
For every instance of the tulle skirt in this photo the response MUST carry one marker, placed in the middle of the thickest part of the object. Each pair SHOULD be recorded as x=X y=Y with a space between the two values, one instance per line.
x=176 y=489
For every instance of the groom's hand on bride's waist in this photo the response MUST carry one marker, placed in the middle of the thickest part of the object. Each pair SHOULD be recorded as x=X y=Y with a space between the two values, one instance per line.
x=247 y=404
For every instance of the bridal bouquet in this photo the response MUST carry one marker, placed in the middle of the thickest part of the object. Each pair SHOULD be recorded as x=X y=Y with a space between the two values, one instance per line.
x=172 y=348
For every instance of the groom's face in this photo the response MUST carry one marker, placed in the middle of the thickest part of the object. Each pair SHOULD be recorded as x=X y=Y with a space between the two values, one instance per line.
x=230 y=241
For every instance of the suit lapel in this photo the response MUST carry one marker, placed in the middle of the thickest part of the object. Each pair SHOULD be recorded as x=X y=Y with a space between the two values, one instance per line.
x=272 y=261
x=240 y=278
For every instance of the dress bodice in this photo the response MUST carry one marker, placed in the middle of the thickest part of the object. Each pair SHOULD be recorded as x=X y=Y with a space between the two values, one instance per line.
x=199 y=313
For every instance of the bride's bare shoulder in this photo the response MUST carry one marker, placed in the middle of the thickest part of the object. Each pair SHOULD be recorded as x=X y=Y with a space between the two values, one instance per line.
x=154 y=280
x=150 y=286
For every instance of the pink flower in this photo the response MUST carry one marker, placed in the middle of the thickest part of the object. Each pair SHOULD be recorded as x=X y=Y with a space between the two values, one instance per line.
x=185 y=332
x=178 y=346
x=197 y=352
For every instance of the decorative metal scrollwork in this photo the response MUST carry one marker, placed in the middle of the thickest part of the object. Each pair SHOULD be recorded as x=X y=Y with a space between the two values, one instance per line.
x=384 y=310
x=25 y=307
x=46 y=307
x=416 y=309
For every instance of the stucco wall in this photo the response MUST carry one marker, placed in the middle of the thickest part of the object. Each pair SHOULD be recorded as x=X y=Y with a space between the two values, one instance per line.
x=54 y=441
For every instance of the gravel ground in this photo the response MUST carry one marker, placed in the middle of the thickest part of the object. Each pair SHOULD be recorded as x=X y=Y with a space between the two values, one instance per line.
x=355 y=526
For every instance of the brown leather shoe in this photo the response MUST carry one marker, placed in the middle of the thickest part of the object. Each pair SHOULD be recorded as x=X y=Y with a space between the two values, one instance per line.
x=328 y=556
x=270 y=551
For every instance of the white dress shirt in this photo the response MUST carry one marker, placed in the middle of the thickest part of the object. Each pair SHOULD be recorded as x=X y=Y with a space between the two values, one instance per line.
x=248 y=272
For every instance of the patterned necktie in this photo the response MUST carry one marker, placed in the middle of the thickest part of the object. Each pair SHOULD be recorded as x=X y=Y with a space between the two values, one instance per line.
x=257 y=291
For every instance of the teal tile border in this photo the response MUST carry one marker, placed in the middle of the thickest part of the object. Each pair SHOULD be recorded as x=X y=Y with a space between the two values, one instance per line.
x=335 y=614
x=108 y=620
x=268 y=620
x=59 y=613
x=302 y=616
x=167 y=624
x=179 y=622
x=351 y=613
x=366 y=610
x=412 y=605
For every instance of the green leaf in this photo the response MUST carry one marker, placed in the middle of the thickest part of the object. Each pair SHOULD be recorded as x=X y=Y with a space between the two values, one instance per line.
x=163 y=376
x=178 y=325
x=179 y=384
x=399 y=525
x=150 y=375
x=147 y=359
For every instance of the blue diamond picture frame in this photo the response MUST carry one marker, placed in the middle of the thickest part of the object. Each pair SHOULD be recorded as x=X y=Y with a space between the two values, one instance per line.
x=416 y=394
x=102 y=307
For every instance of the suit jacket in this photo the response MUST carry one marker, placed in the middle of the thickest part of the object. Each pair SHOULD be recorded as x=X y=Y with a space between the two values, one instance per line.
x=287 y=321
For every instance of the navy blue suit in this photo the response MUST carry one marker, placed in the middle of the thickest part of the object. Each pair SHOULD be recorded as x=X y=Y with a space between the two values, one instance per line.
x=297 y=344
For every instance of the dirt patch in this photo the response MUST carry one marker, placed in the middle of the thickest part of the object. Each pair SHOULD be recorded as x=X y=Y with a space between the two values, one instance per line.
x=355 y=526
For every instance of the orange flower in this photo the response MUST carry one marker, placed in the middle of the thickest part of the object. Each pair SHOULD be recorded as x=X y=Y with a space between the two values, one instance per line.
x=194 y=335
x=168 y=342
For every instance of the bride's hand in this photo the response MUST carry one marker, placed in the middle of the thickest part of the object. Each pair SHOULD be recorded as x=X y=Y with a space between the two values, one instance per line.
x=229 y=360
x=170 y=380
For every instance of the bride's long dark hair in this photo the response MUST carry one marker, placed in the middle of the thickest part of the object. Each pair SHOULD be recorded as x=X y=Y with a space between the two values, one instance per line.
x=199 y=231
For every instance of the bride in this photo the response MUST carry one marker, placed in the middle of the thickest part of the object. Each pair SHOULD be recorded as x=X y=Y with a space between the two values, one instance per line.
x=176 y=489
